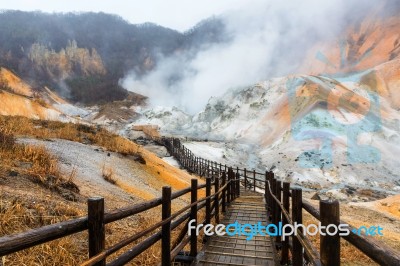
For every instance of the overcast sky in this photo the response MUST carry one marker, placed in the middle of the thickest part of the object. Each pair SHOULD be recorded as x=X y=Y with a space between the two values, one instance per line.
x=176 y=14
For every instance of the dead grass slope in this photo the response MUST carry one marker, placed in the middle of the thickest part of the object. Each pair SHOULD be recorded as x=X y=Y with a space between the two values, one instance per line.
x=25 y=205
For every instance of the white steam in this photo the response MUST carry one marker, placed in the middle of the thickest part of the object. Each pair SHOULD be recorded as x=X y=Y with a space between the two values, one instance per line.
x=270 y=38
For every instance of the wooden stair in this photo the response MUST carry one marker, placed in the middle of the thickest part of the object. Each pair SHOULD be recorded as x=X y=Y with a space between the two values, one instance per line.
x=235 y=250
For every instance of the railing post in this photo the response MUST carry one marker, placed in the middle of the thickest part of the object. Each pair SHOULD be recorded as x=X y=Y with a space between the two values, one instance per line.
x=166 y=228
x=208 y=204
x=286 y=206
x=245 y=179
x=233 y=191
x=208 y=201
x=266 y=194
x=96 y=227
x=223 y=196
x=200 y=167
x=278 y=209
x=330 y=242
x=254 y=180
x=237 y=185
x=271 y=200
x=213 y=168
x=216 y=198
x=193 y=216
x=228 y=187
x=297 y=217
x=208 y=168
x=185 y=157
x=232 y=185
x=273 y=205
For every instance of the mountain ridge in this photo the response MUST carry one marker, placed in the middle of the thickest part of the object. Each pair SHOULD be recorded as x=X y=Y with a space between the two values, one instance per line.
x=91 y=49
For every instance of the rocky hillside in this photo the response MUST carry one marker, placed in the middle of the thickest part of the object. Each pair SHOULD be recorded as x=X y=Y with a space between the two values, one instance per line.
x=309 y=129
x=337 y=123
x=19 y=98
x=83 y=56
x=364 y=44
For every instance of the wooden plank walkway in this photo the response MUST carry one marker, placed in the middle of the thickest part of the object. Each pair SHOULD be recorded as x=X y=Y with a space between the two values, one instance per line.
x=236 y=250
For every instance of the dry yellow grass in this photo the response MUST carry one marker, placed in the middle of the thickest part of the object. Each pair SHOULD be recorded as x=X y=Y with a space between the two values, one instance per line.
x=167 y=174
x=42 y=167
x=149 y=130
x=14 y=83
x=73 y=250
x=349 y=255
x=19 y=213
x=43 y=129
x=108 y=174
x=13 y=104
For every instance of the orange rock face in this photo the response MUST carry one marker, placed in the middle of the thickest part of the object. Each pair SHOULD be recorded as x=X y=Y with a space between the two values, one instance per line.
x=374 y=41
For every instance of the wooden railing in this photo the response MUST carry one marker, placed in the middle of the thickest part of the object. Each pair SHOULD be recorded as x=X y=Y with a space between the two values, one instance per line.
x=194 y=164
x=225 y=189
x=284 y=204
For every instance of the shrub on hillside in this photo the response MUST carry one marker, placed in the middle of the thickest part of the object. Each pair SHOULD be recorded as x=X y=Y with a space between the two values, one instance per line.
x=96 y=89
x=7 y=139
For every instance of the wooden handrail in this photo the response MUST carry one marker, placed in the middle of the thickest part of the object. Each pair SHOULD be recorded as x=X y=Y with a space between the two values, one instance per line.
x=305 y=242
x=16 y=242
x=368 y=246
x=373 y=250
x=20 y=241
x=376 y=250
x=222 y=195
x=137 y=236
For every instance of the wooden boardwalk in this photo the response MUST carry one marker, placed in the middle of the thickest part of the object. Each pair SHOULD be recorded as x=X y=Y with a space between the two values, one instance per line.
x=236 y=250
x=244 y=207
